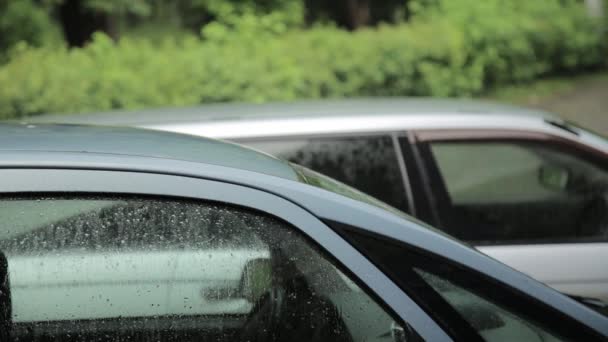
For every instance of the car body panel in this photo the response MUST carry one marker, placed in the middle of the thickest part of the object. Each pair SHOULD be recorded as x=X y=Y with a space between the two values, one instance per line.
x=569 y=268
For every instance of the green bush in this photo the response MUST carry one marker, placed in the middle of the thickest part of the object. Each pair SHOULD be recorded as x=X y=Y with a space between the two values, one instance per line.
x=22 y=21
x=449 y=48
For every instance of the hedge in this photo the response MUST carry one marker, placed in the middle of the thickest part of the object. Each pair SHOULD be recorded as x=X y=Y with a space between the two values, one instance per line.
x=457 y=48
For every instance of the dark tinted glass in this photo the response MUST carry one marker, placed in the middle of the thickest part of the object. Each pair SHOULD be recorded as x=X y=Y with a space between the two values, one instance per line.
x=330 y=184
x=469 y=305
x=508 y=191
x=127 y=269
x=368 y=164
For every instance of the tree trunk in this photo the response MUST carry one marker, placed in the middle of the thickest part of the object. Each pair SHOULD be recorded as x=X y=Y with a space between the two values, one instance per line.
x=79 y=23
x=358 y=12
x=354 y=14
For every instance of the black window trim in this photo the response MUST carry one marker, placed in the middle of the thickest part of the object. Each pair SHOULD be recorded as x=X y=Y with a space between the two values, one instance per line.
x=438 y=189
x=422 y=193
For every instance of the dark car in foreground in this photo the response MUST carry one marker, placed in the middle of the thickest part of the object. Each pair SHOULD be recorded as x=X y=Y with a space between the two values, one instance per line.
x=118 y=234
x=522 y=185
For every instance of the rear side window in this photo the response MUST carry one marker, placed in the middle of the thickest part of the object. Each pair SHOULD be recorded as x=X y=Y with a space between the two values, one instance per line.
x=470 y=306
x=492 y=173
x=368 y=164
x=501 y=192
x=316 y=179
x=166 y=270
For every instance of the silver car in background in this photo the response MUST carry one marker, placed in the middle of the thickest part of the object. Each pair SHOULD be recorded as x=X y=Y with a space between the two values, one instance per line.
x=523 y=186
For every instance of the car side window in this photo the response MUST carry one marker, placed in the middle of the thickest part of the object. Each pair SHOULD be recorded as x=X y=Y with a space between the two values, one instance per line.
x=149 y=269
x=502 y=192
x=368 y=164
x=491 y=321
x=470 y=306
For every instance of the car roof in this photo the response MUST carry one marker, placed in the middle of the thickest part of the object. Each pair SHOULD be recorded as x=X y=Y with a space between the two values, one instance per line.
x=239 y=121
x=296 y=109
x=139 y=142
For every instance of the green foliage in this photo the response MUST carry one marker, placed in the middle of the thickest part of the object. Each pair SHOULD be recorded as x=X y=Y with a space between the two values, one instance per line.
x=140 y=8
x=446 y=50
x=250 y=19
x=518 y=39
x=227 y=11
x=22 y=21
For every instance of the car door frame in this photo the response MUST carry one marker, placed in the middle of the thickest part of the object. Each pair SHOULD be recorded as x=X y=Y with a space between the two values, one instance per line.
x=82 y=181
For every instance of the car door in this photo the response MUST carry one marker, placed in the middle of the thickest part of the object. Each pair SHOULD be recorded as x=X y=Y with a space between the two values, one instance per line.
x=105 y=256
x=533 y=201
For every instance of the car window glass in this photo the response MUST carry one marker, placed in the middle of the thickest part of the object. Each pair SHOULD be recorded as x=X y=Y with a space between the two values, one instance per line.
x=503 y=173
x=469 y=305
x=129 y=269
x=368 y=164
x=491 y=321
x=503 y=191
x=321 y=181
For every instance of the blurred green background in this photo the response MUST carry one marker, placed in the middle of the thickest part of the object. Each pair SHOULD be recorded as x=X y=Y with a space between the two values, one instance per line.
x=71 y=56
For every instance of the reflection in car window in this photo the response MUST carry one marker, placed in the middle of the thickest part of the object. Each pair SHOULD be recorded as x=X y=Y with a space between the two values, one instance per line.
x=491 y=321
x=368 y=164
x=316 y=179
x=128 y=269
x=491 y=173
x=470 y=306
x=509 y=191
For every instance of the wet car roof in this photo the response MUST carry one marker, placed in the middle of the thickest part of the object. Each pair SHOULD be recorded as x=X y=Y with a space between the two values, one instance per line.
x=316 y=108
x=138 y=142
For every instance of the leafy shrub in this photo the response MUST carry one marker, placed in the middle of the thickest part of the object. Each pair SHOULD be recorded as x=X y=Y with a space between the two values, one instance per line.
x=450 y=48
x=250 y=17
x=518 y=40
x=22 y=20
